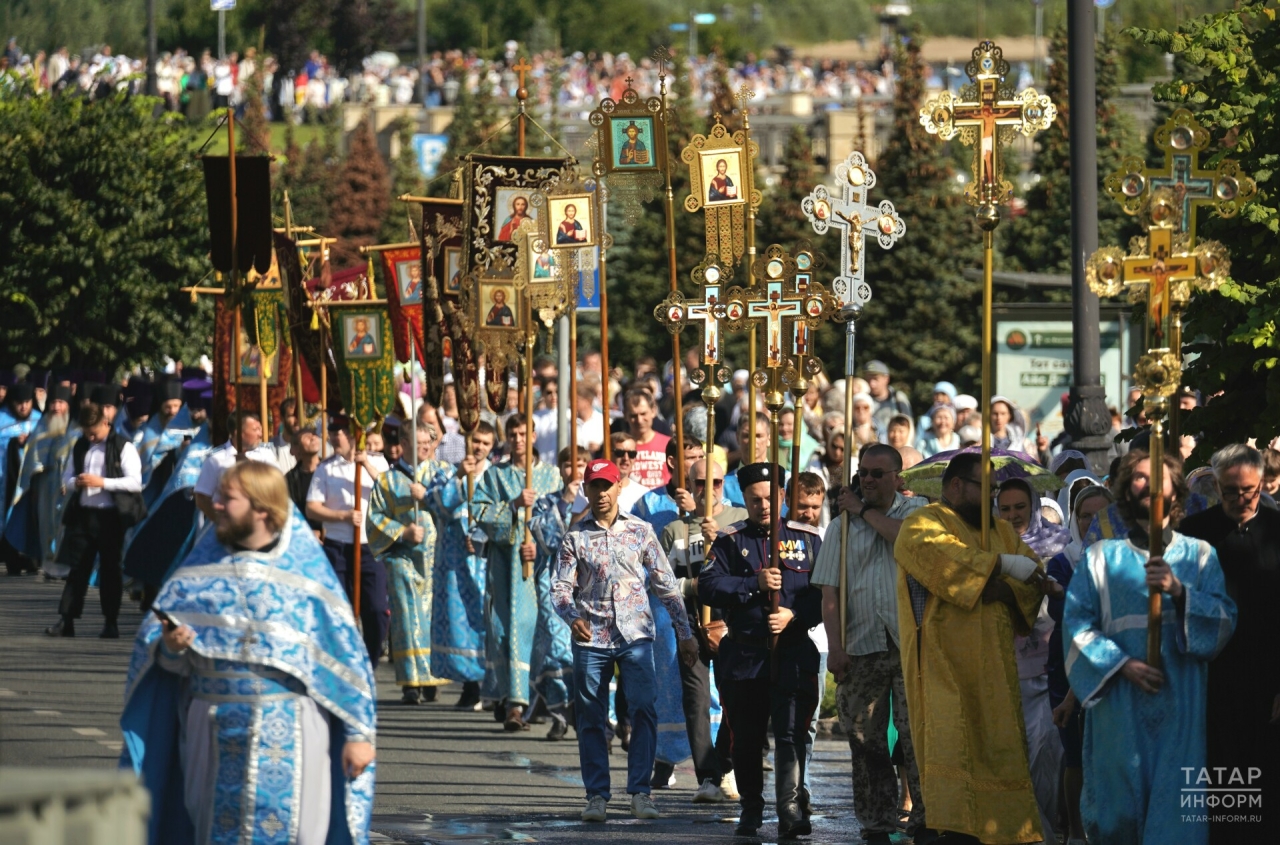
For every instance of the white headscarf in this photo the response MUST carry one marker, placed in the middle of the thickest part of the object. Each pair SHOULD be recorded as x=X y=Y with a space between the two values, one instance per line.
x=1075 y=548
x=1064 y=495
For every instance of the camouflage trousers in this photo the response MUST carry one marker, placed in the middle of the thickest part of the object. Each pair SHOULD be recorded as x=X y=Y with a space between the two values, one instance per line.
x=862 y=701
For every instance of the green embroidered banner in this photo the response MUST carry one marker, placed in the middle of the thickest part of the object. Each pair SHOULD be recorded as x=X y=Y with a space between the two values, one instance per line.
x=365 y=353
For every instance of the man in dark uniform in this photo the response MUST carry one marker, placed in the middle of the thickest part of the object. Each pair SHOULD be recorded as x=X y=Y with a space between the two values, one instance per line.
x=784 y=685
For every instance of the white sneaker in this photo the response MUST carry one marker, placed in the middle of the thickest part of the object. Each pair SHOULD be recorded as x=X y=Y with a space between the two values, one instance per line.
x=596 y=809
x=729 y=786
x=642 y=806
x=709 y=793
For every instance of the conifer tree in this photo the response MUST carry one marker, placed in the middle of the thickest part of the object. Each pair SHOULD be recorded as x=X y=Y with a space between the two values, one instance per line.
x=256 y=133
x=317 y=176
x=1040 y=240
x=360 y=199
x=924 y=318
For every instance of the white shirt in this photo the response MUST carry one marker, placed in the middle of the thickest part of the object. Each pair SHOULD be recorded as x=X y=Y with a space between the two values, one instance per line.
x=222 y=459
x=333 y=486
x=591 y=431
x=546 y=424
x=95 y=462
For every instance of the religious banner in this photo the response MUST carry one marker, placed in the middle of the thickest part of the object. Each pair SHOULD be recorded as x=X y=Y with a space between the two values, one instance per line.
x=402 y=269
x=721 y=173
x=443 y=334
x=631 y=146
x=499 y=191
x=236 y=385
x=364 y=348
x=264 y=313
x=310 y=339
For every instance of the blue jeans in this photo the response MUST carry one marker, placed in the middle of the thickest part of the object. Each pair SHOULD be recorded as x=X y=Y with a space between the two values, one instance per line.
x=592 y=671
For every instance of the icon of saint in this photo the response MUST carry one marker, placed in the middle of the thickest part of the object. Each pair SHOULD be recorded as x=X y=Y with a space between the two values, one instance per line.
x=500 y=315
x=570 y=230
x=519 y=214
x=362 y=342
x=722 y=188
x=633 y=153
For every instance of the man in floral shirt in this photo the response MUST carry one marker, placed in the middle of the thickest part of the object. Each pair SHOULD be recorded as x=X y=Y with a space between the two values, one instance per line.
x=607 y=557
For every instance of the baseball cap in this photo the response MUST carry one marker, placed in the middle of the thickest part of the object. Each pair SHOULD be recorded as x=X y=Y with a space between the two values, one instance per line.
x=965 y=402
x=603 y=469
x=876 y=368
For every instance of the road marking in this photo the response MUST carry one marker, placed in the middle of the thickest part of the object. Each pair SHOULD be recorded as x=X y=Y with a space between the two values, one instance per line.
x=7 y=693
x=112 y=745
x=90 y=731
x=47 y=712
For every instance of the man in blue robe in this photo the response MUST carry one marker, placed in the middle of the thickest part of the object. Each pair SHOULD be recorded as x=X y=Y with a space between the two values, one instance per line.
x=403 y=535
x=512 y=606
x=35 y=511
x=162 y=438
x=457 y=612
x=1145 y=729
x=552 y=662
x=18 y=419
x=250 y=702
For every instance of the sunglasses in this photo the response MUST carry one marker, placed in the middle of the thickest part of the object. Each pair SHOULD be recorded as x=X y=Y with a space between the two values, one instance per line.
x=702 y=482
x=877 y=474
x=628 y=454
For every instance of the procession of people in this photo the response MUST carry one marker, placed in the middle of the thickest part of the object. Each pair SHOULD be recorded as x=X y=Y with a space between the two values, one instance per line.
x=936 y=643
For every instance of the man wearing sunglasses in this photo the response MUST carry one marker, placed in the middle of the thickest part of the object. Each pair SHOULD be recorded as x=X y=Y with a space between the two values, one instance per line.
x=685 y=542
x=1243 y=717
x=959 y=606
x=865 y=656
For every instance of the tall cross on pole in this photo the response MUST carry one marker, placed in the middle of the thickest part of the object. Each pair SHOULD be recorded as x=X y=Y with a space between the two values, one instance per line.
x=1193 y=187
x=522 y=94
x=856 y=220
x=987 y=115
x=1157 y=270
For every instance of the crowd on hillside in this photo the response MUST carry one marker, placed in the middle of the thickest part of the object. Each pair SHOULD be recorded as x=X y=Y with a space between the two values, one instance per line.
x=574 y=83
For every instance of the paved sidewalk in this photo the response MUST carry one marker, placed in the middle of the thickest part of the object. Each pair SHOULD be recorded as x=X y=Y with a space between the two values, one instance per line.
x=444 y=776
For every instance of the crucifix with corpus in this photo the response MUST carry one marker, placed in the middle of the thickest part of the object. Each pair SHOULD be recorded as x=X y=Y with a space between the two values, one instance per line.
x=987 y=115
x=1193 y=187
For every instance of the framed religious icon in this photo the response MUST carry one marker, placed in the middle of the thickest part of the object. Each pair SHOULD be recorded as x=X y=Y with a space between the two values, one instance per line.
x=572 y=219
x=721 y=178
x=250 y=369
x=500 y=304
x=546 y=268
x=409 y=281
x=499 y=203
x=511 y=209
x=362 y=336
x=632 y=144
x=452 y=271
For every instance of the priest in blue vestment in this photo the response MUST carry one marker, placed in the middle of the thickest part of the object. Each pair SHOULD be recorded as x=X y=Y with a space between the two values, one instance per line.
x=1145 y=726
x=511 y=611
x=250 y=702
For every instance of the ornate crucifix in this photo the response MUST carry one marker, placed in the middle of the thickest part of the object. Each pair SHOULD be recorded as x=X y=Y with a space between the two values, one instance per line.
x=856 y=220
x=1157 y=270
x=1192 y=187
x=987 y=119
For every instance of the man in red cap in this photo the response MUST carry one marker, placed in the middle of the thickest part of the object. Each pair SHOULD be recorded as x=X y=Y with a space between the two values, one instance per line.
x=607 y=557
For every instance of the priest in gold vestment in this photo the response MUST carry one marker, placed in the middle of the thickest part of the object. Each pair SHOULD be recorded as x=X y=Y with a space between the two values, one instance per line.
x=959 y=608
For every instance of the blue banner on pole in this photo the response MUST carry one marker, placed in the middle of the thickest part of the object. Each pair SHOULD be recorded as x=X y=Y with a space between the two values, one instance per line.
x=589 y=279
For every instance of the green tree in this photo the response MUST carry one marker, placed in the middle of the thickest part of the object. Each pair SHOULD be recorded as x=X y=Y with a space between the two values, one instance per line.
x=924 y=316
x=360 y=198
x=103 y=217
x=1037 y=241
x=256 y=136
x=317 y=178
x=1236 y=97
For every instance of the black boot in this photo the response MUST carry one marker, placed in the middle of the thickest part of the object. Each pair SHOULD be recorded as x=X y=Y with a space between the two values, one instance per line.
x=412 y=695
x=110 y=631
x=751 y=819
x=470 y=696
x=428 y=694
x=64 y=627
x=788 y=776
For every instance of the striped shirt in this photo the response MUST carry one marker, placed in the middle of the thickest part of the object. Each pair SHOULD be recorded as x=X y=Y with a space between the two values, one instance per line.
x=872 y=579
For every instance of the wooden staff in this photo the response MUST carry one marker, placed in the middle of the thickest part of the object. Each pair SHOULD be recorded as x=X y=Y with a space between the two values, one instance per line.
x=775 y=532
x=263 y=375
x=358 y=433
x=573 y=385
x=674 y=286
x=604 y=334
x=531 y=337
x=1155 y=543
x=235 y=278
x=846 y=471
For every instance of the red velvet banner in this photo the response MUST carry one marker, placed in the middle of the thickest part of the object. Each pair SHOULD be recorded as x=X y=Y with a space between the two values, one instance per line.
x=402 y=272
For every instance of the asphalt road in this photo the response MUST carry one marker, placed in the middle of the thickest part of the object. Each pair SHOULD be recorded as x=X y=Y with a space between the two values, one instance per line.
x=444 y=776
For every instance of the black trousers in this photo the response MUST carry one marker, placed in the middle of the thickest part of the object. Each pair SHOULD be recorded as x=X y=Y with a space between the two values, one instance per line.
x=375 y=614
x=708 y=762
x=790 y=702
x=92 y=533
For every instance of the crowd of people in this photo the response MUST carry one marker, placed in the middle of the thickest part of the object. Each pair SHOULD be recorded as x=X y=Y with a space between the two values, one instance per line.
x=573 y=83
x=993 y=691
